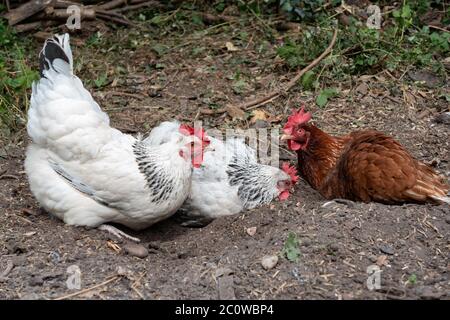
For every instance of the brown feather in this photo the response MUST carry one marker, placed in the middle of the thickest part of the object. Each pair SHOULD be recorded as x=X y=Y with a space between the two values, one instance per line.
x=367 y=166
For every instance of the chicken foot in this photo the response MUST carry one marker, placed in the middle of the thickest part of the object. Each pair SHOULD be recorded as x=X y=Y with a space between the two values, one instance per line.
x=117 y=233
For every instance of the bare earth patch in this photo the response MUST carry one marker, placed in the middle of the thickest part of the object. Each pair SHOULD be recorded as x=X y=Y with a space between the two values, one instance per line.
x=338 y=242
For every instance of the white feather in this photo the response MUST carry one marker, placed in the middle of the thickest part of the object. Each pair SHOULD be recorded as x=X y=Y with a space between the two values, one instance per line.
x=69 y=129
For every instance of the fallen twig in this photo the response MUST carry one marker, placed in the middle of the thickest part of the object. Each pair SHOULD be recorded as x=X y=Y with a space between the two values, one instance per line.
x=112 y=4
x=139 y=5
x=277 y=92
x=438 y=28
x=125 y=94
x=114 y=19
x=89 y=289
x=9 y=267
x=9 y=176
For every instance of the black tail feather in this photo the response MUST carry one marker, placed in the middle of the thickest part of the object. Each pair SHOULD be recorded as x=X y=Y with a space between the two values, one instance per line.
x=52 y=50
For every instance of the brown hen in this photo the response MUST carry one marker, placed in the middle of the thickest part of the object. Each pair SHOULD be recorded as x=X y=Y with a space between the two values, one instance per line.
x=362 y=166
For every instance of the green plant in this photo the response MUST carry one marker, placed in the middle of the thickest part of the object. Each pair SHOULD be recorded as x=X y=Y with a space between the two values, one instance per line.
x=101 y=80
x=16 y=77
x=324 y=95
x=412 y=279
x=404 y=42
x=291 y=249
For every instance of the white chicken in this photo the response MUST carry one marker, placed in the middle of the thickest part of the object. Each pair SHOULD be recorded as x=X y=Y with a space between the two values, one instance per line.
x=229 y=180
x=87 y=173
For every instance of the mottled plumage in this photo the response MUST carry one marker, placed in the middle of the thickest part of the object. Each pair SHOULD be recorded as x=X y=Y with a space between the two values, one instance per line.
x=230 y=179
x=87 y=173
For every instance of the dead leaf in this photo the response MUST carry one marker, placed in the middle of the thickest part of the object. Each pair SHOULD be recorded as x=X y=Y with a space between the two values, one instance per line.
x=230 y=46
x=382 y=260
x=422 y=93
x=251 y=231
x=409 y=98
x=258 y=115
x=362 y=88
x=235 y=112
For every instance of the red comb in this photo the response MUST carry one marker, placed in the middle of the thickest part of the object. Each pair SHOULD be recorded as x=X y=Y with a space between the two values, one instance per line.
x=295 y=119
x=199 y=133
x=291 y=171
x=186 y=130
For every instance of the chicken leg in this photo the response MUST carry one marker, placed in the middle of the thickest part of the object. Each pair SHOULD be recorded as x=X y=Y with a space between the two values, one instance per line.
x=117 y=233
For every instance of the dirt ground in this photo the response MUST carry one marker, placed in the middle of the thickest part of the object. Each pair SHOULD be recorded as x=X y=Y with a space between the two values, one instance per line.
x=338 y=242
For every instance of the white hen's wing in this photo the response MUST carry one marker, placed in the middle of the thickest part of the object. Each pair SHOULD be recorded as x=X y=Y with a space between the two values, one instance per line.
x=81 y=169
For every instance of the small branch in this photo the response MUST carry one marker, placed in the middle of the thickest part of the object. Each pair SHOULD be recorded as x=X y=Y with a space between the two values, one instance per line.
x=25 y=10
x=114 y=19
x=110 y=13
x=125 y=94
x=88 y=289
x=140 y=5
x=276 y=93
x=112 y=4
x=9 y=176
x=438 y=28
x=214 y=19
x=212 y=111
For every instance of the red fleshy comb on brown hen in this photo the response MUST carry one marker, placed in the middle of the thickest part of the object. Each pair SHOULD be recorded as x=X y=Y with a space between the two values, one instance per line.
x=361 y=166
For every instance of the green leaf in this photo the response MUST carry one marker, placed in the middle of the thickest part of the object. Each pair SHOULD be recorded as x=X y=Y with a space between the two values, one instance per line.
x=157 y=20
x=412 y=279
x=290 y=249
x=101 y=81
x=160 y=49
x=308 y=80
x=324 y=95
x=406 y=11
x=197 y=19
x=239 y=86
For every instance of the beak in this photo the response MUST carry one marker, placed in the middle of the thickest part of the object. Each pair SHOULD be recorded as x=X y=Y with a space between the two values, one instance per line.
x=286 y=137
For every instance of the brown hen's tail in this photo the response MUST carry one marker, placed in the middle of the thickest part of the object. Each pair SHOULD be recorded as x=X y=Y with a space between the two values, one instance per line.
x=429 y=186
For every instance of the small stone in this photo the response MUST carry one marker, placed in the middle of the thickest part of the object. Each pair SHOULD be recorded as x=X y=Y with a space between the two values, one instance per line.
x=306 y=242
x=387 y=249
x=137 y=250
x=251 y=231
x=54 y=256
x=269 y=262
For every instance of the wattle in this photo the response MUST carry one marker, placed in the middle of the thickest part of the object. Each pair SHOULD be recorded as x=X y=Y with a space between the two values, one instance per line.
x=293 y=145
x=284 y=195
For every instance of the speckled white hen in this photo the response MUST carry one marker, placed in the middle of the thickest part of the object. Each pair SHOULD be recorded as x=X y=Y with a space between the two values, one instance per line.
x=229 y=180
x=87 y=173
